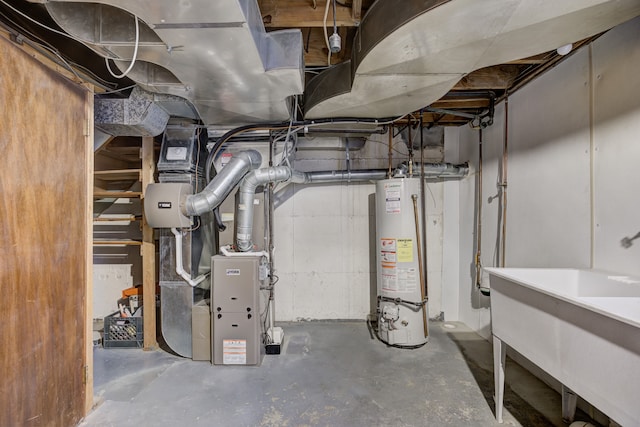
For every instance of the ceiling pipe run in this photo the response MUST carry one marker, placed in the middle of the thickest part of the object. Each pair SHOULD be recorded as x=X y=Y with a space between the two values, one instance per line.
x=254 y=179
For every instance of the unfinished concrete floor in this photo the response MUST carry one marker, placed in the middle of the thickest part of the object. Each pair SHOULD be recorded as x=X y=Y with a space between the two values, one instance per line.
x=329 y=374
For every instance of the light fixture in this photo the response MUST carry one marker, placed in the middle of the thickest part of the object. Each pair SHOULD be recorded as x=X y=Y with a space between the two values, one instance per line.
x=563 y=50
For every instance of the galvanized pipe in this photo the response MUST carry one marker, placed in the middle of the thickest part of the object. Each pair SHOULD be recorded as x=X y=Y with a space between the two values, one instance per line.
x=244 y=211
x=320 y=177
x=252 y=180
x=434 y=170
x=222 y=184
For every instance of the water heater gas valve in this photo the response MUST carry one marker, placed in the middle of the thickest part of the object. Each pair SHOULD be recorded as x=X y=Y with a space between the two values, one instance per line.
x=390 y=313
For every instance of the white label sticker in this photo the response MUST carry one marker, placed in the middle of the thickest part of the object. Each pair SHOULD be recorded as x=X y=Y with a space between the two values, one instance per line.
x=234 y=352
x=233 y=271
x=177 y=153
x=393 y=193
x=225 y=158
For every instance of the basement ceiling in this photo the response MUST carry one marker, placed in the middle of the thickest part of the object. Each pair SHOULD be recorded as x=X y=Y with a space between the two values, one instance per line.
x=466 y=99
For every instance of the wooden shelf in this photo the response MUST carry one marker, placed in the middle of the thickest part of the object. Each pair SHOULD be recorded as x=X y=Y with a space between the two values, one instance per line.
x=115 y=219
x=125 y=242
x=116 y=194
x=119 y=175
x=132 y=162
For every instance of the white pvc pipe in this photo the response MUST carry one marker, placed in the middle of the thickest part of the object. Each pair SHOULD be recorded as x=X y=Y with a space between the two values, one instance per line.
x=179 y=267
x=226 y=251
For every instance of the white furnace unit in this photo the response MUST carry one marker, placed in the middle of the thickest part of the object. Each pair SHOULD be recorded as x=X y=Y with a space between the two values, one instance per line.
x=235 y=309
x=402 y=303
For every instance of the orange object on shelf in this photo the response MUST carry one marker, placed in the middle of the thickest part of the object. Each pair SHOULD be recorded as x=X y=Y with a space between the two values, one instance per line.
x=136 y=290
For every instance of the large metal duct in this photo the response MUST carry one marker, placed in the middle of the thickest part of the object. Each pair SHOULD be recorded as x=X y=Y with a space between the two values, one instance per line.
x=215 y=54
x=137 y=115
x=408 y=54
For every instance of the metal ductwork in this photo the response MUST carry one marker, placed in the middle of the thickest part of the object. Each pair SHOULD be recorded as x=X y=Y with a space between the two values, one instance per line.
x=137 y=115
x=408 y=55
x=216 y=54
x=222 y=184
x=244 y=207
x=263 y=176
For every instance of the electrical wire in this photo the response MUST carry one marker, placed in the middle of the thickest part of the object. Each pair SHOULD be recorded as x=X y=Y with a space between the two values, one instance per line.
x=326 y=36
x=199 y=129
x=135 y=54
x=47 y=46
x=107 y=92
x=24 y=15
x=284 y=126
x=40 y=43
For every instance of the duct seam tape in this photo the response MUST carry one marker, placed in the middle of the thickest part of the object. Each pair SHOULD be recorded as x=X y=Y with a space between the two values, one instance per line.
x=242 y=207
x=243 y=236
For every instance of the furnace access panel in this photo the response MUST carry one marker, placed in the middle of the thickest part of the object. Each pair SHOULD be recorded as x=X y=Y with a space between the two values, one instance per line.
x=235 y=310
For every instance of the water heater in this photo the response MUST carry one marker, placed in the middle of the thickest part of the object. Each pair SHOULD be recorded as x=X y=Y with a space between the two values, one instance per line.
x=401 y=301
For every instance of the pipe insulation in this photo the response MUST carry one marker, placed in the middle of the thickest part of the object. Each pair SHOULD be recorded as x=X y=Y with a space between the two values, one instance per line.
x=222 y=184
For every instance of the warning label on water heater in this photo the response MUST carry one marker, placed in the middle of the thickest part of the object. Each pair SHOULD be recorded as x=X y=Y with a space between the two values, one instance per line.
x=405 y=250
x=234 y=352
x=392 y=192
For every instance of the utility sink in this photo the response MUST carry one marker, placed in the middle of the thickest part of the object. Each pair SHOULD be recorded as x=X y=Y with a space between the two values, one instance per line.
x=580 y=326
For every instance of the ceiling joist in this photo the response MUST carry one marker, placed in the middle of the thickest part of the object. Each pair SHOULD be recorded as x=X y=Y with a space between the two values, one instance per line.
x=306 y=13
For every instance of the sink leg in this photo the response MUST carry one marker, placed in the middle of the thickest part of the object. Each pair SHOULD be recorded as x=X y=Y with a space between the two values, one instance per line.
x=569 y=401
x=499 y=359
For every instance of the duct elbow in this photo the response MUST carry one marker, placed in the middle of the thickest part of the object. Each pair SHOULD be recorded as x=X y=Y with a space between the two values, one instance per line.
x=222 y=184
x=244 y=211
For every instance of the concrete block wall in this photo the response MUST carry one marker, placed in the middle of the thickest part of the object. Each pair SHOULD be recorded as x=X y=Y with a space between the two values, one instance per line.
x=324 y=234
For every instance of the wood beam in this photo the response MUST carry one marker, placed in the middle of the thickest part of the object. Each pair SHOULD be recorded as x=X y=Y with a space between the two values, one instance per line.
x=495 y=77
x=315 y=47
x=148 y=253
x=463 y=103
x=88 y=301
x=356 y=10
x=437 y=119
x=302 y=14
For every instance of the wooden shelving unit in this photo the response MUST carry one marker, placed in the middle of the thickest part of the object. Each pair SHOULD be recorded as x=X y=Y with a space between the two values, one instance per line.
x=125 y=163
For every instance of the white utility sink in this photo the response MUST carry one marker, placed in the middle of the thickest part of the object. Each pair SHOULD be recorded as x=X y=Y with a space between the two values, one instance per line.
x=580 y=326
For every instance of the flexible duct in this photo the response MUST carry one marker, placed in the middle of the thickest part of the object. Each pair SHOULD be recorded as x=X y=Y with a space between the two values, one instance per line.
x=263 y=176
x=222 y=184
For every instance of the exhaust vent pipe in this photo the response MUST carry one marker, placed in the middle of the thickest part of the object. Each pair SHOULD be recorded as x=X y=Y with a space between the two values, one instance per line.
x=253 y=180
x=222 y=184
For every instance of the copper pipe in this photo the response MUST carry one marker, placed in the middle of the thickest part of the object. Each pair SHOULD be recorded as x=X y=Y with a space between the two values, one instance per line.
x=390 y=174
x=479 y=218
x=503 y=183
x=410 y=147
x=423 y=192
x=423 y=281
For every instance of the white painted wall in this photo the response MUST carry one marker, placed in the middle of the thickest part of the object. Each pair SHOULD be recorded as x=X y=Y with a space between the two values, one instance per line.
x=616 y=138
x=572 y=171
x=324 y=234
